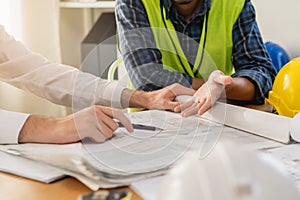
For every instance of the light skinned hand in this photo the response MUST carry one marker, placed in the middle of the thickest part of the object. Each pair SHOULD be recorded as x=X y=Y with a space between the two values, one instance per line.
x=207 y=94
x=164 y=98
x=95 y=122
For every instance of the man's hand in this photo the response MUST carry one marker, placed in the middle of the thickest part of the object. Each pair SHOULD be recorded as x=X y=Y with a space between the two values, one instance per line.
x=95 y=122
x=206 y=95
x=163 y=99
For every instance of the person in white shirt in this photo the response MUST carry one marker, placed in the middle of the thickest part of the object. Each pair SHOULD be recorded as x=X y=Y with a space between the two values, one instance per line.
x=58 y=83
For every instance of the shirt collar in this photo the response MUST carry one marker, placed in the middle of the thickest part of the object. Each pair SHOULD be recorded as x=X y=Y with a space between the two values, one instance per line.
x=169 y=7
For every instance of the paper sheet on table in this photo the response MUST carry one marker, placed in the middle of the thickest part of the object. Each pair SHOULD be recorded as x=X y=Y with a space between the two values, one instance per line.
x=28 y=168
x=127 y=158
x=46 y=163
x=125 y=166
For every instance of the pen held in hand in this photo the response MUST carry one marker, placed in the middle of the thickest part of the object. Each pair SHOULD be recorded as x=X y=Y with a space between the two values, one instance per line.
x=142 y=127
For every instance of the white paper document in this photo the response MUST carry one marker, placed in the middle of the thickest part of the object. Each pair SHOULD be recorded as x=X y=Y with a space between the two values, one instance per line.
x=28 y=168
x=130 y=157
x=275 y=127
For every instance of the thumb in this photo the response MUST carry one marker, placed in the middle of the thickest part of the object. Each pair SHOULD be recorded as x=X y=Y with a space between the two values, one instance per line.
x=178 y=89
x=222 y=79
x=172 y=106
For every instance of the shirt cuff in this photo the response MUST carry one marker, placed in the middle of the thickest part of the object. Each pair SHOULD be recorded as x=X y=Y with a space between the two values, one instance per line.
x=11 y=125
x=113 y=95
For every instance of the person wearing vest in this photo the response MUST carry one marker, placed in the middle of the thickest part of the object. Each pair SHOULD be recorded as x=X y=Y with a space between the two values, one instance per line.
x=209 y=45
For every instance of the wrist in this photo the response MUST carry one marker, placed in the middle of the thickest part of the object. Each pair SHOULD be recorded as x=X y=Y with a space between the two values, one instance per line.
x=34 y=129
x=140 y=99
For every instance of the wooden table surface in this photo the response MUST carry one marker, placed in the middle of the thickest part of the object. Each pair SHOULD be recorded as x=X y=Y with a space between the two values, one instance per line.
x=16 y=188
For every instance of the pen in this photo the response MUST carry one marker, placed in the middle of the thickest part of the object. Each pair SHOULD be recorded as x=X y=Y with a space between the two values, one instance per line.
x=142 y=127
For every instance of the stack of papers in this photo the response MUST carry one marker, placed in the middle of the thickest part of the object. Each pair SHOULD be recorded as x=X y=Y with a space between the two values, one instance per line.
x=28 y=168
x=125 y=158
x=130 y=157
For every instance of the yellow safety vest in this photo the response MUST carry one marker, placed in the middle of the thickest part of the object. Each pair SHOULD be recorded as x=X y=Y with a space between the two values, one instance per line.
x=216 y=35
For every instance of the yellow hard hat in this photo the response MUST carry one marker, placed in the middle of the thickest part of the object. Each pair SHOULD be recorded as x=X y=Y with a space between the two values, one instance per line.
x=285 y=94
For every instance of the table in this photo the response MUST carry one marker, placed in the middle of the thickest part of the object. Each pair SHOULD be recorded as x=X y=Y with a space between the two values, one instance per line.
x=15 y=188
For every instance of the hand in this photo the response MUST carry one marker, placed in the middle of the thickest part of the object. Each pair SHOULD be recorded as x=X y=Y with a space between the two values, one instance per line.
x=164 y=98
x=207 y=94
x=95 y=122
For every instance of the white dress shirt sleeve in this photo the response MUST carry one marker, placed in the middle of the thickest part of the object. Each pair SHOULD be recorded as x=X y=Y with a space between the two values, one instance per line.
x=60 y=84
x=11 y=125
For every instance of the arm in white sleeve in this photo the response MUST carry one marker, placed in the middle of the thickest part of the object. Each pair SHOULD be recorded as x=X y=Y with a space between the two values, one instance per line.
x=10 y=126
x=58 y=83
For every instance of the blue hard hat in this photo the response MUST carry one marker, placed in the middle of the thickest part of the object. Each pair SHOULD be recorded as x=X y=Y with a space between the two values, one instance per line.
x=278 y=55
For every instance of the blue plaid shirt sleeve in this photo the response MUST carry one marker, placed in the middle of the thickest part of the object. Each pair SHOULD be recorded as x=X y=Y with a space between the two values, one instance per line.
x=250 y=58
x=142 y=60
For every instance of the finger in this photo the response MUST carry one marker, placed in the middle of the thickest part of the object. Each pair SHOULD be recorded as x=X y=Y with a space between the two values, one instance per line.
x=192 y=110
x=206 y=105
x=125 y=121
x=118 y=114
x=178 y=89
x=223 y=79
x=106 y=124
x=201 y=102
x=104 y=131
x=195 y=108
x=177 y=108
x=109 y=111
x=171 y=105
x=186 y=105
x=99 y=138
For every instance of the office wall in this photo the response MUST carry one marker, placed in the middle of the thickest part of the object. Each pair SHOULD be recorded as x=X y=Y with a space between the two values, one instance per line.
x=279 y=22
x=35 y=23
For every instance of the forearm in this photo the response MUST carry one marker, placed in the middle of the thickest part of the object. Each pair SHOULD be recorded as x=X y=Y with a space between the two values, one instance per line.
x=94 y=122
x=241 y=89
x=58 y=83
x=27 y=70
x=197 y=83
x=39 y=129
x=249 y=55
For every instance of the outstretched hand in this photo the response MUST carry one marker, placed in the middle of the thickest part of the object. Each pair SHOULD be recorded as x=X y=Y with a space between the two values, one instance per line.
x=206 y=95
x=163 y=99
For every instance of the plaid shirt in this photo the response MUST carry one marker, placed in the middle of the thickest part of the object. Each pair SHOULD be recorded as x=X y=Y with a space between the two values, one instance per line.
x=143 y=60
